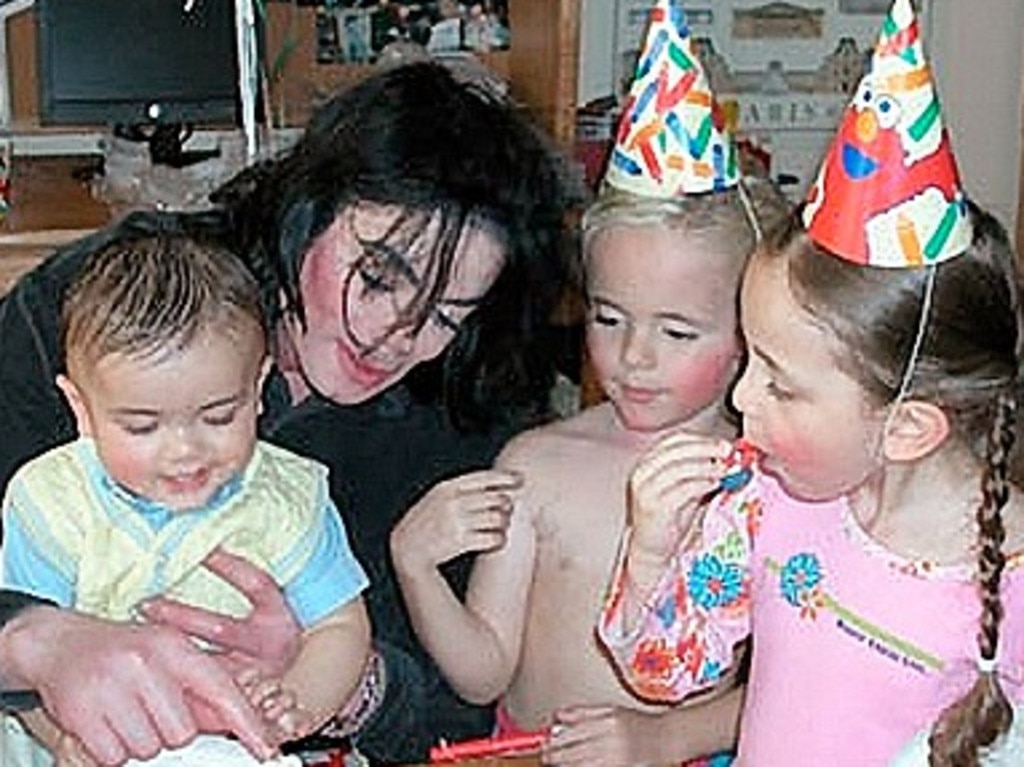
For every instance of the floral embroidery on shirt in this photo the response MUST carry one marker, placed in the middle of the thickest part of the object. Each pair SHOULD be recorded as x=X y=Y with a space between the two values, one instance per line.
x=753 y=510
x=658 y=660
x=713 y=583
x=801 y=584
x=799 y=581
x=666 y=610
x=696 y=617
x=691 y=653
x=654 y=658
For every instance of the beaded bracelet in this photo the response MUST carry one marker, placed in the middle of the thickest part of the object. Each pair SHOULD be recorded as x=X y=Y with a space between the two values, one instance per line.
x=363 y=703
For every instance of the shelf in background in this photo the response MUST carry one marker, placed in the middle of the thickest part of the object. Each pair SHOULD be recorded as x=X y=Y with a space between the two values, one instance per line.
x=35 y=141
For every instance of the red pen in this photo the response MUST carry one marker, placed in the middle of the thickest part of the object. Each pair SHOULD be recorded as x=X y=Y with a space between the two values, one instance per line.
x=499 y=745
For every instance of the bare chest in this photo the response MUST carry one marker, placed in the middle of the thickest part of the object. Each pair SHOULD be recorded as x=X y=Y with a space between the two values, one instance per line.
x=580 y=521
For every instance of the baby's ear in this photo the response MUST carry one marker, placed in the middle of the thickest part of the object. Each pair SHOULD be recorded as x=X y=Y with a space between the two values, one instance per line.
x=77 y=402
x=915 y=429
x=265 y=367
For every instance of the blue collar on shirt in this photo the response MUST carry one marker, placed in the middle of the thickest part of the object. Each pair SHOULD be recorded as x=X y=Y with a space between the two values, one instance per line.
x=156 y=514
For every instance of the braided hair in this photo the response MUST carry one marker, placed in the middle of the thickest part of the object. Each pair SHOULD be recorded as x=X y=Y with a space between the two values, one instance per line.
x=967 y=363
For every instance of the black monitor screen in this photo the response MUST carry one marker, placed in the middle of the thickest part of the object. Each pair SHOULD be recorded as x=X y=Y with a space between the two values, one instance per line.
x=133 y=62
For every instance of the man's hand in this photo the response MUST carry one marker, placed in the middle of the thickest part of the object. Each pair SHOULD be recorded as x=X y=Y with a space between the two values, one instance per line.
x=266 y=639
x=125 y=690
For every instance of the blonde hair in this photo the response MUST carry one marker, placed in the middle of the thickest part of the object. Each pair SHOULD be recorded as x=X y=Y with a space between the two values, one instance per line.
x=146 y=294
x=734 y=217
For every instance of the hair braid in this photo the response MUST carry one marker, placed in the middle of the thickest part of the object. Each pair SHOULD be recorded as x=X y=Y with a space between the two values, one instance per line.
x=984 y=713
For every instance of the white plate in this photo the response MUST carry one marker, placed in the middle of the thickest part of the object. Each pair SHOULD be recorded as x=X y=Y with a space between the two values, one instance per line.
x=212 y=751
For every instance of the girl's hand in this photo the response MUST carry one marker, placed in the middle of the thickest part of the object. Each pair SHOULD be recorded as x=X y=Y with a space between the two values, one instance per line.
x=667 y=489
x=605 y=736
x=468 y=513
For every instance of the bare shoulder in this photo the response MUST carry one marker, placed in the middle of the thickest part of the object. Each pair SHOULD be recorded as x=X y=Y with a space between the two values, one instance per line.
x=557 y=441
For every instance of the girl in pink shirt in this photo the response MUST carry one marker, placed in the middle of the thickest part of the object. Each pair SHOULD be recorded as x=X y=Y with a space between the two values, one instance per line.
x=863 y=556
x=874 y=553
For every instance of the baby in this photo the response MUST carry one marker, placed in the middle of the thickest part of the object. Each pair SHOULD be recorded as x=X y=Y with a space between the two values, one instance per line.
x=165 y=355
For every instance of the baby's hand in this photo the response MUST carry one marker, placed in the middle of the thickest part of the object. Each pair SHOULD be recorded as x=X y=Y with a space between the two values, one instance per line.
x=71 y=753
x=604 y=736
x=667 y=489
x=277 y=705
x=467 y=513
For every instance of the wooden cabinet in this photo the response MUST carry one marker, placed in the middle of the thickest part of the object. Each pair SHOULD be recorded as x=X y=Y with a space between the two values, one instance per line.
x=21 y=251
x=544 y=61
x=51 y=204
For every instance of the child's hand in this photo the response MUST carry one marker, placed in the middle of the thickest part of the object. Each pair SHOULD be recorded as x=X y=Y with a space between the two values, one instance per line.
x=71 y=753
x=467 y=513
x=606 y=736
x=666 y=490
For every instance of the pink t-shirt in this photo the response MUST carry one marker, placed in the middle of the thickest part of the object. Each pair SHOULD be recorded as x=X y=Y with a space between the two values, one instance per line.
x=855 y=650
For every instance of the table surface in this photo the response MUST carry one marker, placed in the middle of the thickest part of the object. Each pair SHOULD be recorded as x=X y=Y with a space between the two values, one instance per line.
x=521 y=761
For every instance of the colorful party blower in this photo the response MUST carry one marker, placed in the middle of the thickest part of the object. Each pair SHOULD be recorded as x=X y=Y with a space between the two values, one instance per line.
x=671 y=139
x=888 y=192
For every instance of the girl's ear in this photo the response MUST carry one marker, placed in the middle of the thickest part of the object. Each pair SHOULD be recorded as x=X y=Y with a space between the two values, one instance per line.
x=915 y=429
x=77 y=402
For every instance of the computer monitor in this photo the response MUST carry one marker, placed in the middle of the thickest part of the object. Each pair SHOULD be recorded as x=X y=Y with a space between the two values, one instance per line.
x=142 y=65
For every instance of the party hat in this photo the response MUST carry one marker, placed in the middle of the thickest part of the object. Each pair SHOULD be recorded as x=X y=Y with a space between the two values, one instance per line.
x=672 y=139
x=888 y=192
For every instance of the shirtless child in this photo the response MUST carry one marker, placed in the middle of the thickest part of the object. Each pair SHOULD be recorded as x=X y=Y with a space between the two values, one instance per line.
x=662 y=272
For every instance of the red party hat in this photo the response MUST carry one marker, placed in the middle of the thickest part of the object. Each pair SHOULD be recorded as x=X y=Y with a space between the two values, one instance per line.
x=888 y=192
